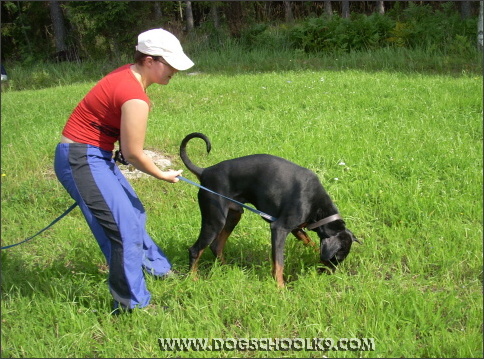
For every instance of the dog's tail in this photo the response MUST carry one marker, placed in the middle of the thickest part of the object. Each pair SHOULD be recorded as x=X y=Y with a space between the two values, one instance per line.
x=197 y=171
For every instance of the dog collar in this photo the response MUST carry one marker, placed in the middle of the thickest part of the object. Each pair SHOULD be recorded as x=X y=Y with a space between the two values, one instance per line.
x=325 y=220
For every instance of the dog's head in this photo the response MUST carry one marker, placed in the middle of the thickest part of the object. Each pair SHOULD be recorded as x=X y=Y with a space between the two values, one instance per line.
x=336 y=241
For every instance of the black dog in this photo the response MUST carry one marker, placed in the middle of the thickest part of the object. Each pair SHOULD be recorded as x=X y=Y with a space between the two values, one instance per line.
x=282 y=189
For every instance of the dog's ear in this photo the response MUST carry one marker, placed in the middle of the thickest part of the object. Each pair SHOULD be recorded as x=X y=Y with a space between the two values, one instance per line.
x=353 y=238
x=329 y=248
x=333 y=228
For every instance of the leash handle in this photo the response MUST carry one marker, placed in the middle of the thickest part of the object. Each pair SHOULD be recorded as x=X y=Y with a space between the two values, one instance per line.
x=260 y=213
x=50 y=225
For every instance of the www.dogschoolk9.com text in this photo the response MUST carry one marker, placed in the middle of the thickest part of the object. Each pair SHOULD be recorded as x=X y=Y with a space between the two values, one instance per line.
x=266 y=344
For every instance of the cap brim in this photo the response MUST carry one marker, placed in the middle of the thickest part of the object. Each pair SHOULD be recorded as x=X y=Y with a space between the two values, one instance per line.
x=180 y=62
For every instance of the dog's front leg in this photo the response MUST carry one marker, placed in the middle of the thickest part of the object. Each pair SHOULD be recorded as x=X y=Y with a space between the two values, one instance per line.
x=193 y=258
x=303 y=236
x=278 y=239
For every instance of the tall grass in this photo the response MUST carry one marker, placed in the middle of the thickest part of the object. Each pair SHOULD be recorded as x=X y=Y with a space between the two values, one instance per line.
x=400 y=153
x=231 y=58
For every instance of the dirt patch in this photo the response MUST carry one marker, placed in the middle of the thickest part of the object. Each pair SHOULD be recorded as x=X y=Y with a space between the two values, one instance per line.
x=159 y=159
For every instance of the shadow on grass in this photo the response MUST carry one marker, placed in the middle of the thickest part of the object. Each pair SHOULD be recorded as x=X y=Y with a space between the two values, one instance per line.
x=255 y=256
x=74 y=280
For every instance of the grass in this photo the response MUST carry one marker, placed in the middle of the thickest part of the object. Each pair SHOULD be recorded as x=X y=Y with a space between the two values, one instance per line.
x=400 y=153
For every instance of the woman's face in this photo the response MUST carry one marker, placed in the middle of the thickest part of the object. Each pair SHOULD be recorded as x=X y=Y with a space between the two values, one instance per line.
x=162 y=72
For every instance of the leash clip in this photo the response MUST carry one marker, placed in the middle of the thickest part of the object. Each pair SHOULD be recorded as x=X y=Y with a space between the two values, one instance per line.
x=118 y=157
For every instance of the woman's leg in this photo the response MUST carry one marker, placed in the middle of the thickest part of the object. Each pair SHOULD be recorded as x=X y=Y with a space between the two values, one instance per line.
x=155 y=261
x=87 y=173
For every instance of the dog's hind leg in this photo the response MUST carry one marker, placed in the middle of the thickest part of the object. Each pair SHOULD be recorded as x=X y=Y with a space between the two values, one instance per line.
x=196 y=250
x=212 y=226
x=217 y=246
x=300 y=234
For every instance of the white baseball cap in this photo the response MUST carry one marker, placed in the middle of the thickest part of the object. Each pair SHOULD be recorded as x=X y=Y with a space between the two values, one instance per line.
x=159 y=42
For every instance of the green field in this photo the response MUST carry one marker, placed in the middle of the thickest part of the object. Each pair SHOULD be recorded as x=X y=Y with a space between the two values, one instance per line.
x=399 y=152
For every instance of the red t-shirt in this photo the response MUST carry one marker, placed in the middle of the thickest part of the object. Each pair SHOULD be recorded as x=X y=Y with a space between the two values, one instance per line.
x=97 y=118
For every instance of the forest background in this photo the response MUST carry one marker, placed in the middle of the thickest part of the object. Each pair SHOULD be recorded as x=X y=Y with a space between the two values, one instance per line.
x=93 y=34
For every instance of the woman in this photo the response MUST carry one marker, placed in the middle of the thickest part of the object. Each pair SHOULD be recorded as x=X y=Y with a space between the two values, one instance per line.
x=116 y=109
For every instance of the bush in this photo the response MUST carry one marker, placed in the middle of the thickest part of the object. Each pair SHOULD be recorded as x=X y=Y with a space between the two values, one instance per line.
x=263 y=36
x=423 y=27
x=415 y=27
x=360 y=32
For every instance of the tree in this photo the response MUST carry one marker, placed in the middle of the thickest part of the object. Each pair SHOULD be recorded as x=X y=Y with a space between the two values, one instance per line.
x=288 y=12
x=234 y=14
x=480 y=34
x=157 y=11
x=380 y=7
x=189 y=16
x=465 y=9
x=103 y=25
x=327 y=8
x=345 y=9
x=59 y=29
x=214 y=14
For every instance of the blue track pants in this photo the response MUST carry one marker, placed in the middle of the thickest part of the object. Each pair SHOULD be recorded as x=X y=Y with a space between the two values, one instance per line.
x=115 y=216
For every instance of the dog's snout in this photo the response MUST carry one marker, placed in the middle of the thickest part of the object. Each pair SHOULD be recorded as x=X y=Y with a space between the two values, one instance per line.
x=329 y=266
x=335 y=249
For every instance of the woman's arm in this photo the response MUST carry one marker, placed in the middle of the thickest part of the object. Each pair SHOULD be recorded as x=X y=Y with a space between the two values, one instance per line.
x=134 y=121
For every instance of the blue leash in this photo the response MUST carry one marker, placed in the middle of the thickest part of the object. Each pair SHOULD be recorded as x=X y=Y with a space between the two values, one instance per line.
x=50 y=225
x=262 y=214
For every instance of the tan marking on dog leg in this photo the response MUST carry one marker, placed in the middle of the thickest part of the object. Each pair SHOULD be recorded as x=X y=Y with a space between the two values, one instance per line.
x=194 y=264
x=218 y=245
x=304 y=237
x=277 y=273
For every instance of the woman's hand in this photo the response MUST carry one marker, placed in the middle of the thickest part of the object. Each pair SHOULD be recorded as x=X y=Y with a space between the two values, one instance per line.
x=172 y=175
